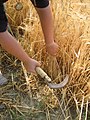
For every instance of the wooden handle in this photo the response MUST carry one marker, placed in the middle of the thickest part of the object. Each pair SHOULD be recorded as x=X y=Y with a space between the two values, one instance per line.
x=43 y=74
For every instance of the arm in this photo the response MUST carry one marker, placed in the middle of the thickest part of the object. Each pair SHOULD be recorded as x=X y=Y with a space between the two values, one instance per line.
x=10 y=44
x=46 y=23
x=45 y=15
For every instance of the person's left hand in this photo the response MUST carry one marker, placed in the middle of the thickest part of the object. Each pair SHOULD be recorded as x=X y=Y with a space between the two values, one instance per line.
x=52 y=48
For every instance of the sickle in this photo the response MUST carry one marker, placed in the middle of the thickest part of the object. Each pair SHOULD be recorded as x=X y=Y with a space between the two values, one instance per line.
x=49 y=81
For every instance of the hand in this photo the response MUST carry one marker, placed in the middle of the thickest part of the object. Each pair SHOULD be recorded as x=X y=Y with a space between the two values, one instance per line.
x=52 y=48
x=31 y=65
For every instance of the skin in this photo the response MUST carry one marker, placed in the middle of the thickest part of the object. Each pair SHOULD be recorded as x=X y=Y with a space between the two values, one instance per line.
x=10 y=44
x=45 y=15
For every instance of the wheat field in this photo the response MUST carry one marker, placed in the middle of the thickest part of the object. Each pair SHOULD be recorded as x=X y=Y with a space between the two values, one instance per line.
x=72 y=33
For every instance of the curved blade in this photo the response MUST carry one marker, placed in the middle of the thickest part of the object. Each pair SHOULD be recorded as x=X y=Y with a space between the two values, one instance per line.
x=48 y=79
x=60 y=85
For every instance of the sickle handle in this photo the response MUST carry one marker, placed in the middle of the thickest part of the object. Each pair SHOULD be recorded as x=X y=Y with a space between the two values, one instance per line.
x=43 y=74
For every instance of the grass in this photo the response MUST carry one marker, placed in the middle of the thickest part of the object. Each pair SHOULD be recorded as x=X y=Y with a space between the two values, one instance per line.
x=26 y=97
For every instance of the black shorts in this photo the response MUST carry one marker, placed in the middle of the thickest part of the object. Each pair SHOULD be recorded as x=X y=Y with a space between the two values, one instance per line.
x=40 y=3
x=3 y=19
x=2 y=1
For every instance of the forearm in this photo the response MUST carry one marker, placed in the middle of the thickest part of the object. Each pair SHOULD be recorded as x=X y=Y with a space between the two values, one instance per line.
x=45 y=14
x=9 y=43
x=46 y=23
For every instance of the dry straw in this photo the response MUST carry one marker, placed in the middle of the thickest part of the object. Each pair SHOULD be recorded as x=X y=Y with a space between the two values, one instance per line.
x=72 y=33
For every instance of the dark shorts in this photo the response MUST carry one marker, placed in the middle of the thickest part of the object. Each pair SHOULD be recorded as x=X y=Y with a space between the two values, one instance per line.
x=40 y=3
x=3 y=19
x=2 y=1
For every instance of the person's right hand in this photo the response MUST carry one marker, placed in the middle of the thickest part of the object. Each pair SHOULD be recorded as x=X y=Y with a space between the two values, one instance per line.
x=31 y=65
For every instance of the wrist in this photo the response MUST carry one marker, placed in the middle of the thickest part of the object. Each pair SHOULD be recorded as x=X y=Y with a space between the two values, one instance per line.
x=49 y=44
x=28 y=60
